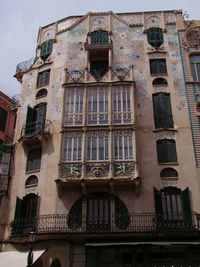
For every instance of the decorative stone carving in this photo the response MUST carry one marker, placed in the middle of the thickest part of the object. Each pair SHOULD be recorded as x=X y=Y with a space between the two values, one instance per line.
x=97 y=170
x=169 y=18
x=99 y=23
x=153 y=21
x=192 y=38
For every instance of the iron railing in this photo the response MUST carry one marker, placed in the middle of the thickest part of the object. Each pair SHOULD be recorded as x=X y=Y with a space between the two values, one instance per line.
x=120 y=223
x=25 y=65
x=33 y=128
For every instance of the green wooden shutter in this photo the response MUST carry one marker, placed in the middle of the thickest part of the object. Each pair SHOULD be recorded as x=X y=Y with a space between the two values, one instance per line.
x=155 y=37
x=18 y=208
x=41 y=116
x=46 y=49
x=158 y=110
x=167 y=111
x=162 y=151
x=158 y=208
x=187 y=212
x=30 y=115
x=171 y=151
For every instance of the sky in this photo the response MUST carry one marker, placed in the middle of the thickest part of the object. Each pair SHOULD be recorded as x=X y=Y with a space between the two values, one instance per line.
x=20 y=21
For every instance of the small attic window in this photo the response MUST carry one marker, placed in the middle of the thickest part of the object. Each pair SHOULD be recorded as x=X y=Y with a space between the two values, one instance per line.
x=41 y=93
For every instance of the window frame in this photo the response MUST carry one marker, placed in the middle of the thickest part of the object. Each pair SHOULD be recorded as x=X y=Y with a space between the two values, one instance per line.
x=165 y=149
x=43 y=78
x=34 y=164
x=194 y=67
x=46 y=49
x=158 y=66
x=155 y=37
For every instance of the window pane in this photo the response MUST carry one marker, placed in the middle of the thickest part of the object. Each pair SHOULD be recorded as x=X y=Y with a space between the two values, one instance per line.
x=97 y=146
x=72 y=147
x=34 y=159
x=123 y=145
x=74 y=107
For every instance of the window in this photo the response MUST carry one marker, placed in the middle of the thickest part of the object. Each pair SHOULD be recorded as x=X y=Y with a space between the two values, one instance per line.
x=43 y=78
x=123 y=145
x=158 y=66
x=25 y=215
x=172 y=207
x=166 y=151
x=41 y=93
x=97 y=146
x=73 y=107
x=35 y=120
x=121 y=100
x=72 y=147
x=155 y=37
x=168 y=172
x=98 y=106
x=56 y=263
x=46 y=49
x=99 y=67
x=34 y=159
x=4 y=162
x=195 y=67
x=31 y=181
x=159 y=81
x=162 y=111
x=99 y=37
x=3 y=119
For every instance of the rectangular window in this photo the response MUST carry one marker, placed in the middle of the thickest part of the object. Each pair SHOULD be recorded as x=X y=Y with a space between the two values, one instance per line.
x=195 y=67
x=34 y=159
x=121 y=101
x=98 y=105
x=4 y=162
x=123 y=145
x=166 y=151
x=158 y=66
x=72 y=147
x=3 y=119
x=43 y=78
x=97 y=146
x=162 y=111
x=74 y=107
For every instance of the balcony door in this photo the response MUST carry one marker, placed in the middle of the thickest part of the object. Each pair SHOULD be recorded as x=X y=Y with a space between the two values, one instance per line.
x=98 y=212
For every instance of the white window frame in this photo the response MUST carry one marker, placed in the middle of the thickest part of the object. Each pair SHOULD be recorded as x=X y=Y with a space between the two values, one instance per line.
x=72 y=147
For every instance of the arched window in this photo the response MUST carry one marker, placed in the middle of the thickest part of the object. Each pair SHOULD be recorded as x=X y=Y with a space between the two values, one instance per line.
x=159 y=81
x=31 y=181
x=56 y=263
x=41 y=93
x=46 y=49
x=168 y=172
x=98 y=207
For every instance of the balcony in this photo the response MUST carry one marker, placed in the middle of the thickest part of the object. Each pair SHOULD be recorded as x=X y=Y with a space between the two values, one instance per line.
x=99 y=39
x=134 y=224
x=24 y=67
x=35 y=132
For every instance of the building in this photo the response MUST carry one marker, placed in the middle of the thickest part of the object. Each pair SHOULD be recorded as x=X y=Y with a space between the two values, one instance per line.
x=105 y=171
x=7 y=124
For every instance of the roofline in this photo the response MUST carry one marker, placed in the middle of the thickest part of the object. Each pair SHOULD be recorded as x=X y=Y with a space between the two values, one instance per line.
x=7 y=98
x=106 y=12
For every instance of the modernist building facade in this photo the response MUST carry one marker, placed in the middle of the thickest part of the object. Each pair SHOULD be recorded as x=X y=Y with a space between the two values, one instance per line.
x=104 y=170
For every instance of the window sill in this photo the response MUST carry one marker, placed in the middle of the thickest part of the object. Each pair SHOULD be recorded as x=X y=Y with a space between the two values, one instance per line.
x=168 y=163
x=158 y=74
x=28 y=172
x=159 y=51
x=164 y=129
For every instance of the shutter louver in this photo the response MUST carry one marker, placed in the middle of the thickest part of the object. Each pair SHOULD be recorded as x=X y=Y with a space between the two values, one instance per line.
x=187 y=212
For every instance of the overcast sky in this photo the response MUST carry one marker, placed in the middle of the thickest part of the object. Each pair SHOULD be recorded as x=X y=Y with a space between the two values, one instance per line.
x=21 y=19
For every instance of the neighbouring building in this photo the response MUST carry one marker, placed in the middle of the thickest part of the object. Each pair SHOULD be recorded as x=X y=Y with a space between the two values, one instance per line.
x=104 y=170
x=7 y=124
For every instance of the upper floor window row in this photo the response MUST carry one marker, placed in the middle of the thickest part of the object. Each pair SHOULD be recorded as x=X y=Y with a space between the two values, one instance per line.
x=98 y=106
x=155 y=37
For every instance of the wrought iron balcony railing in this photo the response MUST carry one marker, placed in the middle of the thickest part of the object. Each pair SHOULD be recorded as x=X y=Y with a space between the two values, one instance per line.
x=25 y=65
x=132 y=223
x=34 y=128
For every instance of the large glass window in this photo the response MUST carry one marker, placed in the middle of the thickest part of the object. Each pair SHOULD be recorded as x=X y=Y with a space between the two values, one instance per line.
x=195 y=67
x=162 y=111
x=121 y=98
x=97 y=146
x=98 y=105
x=123 y=145
x=72 y=147
x=74 y=107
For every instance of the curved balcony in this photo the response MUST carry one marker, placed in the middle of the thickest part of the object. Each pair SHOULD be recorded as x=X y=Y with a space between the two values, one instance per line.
x=99 y=39
x=120 y=224
x=23 y=67
x=35 y=132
